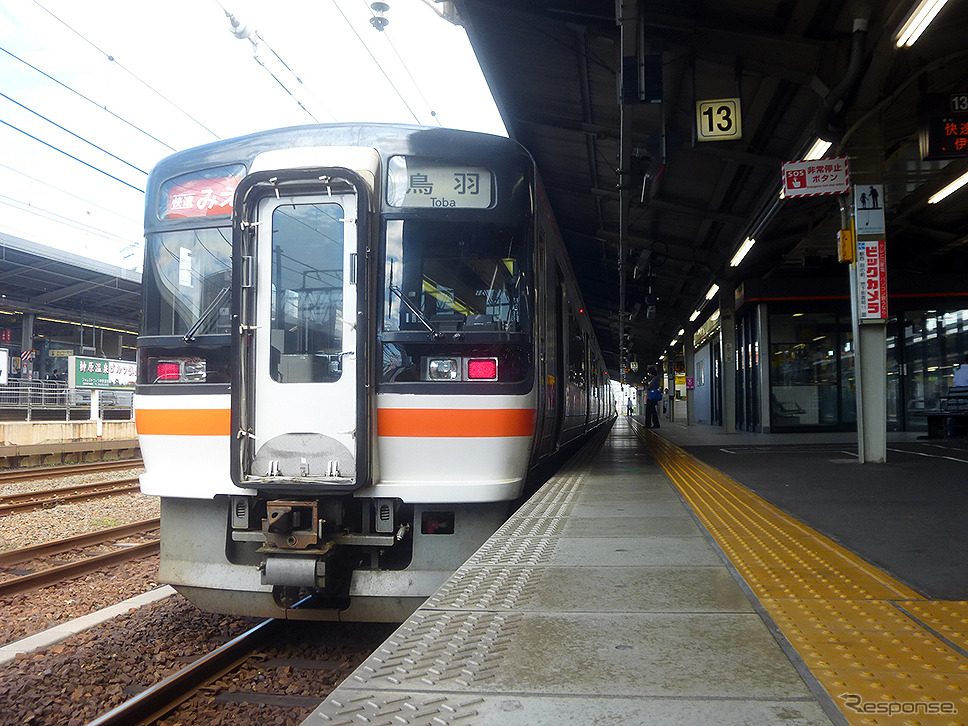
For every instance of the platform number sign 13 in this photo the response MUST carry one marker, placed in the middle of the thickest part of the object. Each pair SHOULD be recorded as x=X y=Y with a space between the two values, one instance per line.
x=718 y=120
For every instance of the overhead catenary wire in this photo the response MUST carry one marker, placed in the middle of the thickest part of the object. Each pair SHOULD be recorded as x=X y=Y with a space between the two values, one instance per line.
x=406 y=68
x=58 y=218
x=79 y=161
x=378 y=64
x=298 y=80
x=130 y=73
x=76 y=136
x=89 y=100
x=283 y=85
x=112 y=212
x=241 y=31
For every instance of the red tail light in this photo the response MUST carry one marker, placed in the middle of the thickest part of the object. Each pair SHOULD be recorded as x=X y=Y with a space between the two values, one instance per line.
x=179 y=370
x=167 y=372
x=482 y=369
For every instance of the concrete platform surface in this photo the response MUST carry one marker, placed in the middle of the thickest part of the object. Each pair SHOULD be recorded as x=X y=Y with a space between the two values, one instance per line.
x=600 y=602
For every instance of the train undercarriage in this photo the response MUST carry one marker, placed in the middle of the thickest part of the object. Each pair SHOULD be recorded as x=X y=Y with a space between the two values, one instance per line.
x=358 y=559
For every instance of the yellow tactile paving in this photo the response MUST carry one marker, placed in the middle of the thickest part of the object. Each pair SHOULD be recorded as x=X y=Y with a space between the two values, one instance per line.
x=872 y=642
x=949 y=618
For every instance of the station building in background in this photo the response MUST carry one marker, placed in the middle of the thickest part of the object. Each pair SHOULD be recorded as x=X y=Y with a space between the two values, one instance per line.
x=794 y=354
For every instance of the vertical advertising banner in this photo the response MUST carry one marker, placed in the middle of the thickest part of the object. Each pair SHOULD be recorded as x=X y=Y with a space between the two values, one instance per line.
x=872 y=280
x=4 y=366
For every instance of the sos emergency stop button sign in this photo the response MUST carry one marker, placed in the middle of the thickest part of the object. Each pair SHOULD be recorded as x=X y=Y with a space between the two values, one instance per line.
x=815 y=177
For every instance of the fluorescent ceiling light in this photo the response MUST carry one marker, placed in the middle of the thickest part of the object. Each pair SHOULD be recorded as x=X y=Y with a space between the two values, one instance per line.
x=950 y=189
x=742 y=251
x=917 y=22
x=712 y=291
x=818 y=149
x=681 y=332
x=695 y=314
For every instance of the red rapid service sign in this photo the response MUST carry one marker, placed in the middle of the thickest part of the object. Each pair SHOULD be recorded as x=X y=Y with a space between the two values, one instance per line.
x=816 y=177
x=207 y=193
x=201 y=198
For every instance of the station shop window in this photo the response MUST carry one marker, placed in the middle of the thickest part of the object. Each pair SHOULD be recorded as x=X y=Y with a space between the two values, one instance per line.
x=747 y=372
x=811 y=371
x=812 y=367
x=934 y=343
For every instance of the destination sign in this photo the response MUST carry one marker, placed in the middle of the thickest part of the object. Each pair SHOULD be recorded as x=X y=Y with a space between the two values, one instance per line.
x=418 y=183
x=943 y=126
x=200 y=194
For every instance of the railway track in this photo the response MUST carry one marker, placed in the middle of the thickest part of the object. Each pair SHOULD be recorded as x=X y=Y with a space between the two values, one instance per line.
x=161 y=698
x=49 y=472
x=27 y=501
x=82 y=566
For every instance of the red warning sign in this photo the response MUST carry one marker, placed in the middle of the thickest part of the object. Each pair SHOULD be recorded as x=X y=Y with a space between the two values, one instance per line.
x=816 y=177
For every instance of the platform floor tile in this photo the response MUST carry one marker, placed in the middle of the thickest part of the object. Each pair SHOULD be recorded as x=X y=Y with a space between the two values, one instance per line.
x=593 y=589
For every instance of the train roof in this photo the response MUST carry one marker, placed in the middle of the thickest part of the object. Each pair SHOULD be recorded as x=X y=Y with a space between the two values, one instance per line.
x=389 y=139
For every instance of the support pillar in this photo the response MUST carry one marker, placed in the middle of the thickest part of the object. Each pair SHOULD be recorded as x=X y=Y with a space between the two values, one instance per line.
x=27 y=343
x=866 y=150
x=727 y=337
x=689 y=354
x=763 y=369
x=670 y=384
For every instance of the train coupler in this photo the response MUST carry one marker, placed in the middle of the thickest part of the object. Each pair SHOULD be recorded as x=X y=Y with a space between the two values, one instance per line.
x=291 y=524
x=303 y=568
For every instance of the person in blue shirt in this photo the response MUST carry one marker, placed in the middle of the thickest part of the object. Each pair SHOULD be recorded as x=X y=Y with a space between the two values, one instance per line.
x=653 y=397
x=961 y=375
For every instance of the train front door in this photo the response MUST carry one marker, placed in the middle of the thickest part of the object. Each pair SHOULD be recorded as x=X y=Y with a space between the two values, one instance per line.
x=301 y=353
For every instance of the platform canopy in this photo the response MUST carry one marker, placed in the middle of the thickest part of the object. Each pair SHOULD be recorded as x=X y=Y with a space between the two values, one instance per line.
x=632 y=182
x=42 y=280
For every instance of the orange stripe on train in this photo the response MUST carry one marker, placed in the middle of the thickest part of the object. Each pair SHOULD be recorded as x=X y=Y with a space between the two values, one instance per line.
x=479 y=422
x=183 y=422
x=416 y=422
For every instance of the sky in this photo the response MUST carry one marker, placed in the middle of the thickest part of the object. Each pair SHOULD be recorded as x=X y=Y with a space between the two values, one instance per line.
x=93 y=94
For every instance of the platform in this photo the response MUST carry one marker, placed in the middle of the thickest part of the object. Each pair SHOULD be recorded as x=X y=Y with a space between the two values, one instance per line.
x=33 y=443
x=601 y=601
x=908 y=516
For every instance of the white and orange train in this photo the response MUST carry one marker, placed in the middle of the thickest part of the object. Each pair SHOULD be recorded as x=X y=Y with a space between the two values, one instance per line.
x=357 y=342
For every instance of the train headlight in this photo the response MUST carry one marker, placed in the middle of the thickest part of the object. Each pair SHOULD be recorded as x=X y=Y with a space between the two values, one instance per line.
x=180 y=370
x=443 y=369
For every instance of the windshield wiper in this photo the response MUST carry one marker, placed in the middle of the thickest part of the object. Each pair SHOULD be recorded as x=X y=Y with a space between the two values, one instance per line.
x=206 y=314
x=416 y=311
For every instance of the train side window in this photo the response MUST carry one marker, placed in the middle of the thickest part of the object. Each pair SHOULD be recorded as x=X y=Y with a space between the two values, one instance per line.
x=576 y=352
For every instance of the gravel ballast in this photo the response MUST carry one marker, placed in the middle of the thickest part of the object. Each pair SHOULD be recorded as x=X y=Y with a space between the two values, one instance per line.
x=77 y=680
x=31 y=612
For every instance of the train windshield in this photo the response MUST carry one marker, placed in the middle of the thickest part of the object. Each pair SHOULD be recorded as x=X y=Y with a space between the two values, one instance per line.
x=187 y=277
x=446 y=277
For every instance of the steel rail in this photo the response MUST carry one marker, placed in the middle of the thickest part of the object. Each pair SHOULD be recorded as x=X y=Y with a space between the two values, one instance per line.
x=22 y=554
x=27 y=501
x=153 y=703
x=74 y=569
x=48 y=472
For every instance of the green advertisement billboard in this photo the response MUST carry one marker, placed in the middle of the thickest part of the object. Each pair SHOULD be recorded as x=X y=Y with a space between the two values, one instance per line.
x=100 y=373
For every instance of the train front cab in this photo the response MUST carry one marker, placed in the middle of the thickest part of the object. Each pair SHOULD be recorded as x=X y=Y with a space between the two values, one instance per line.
x=369 y=500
